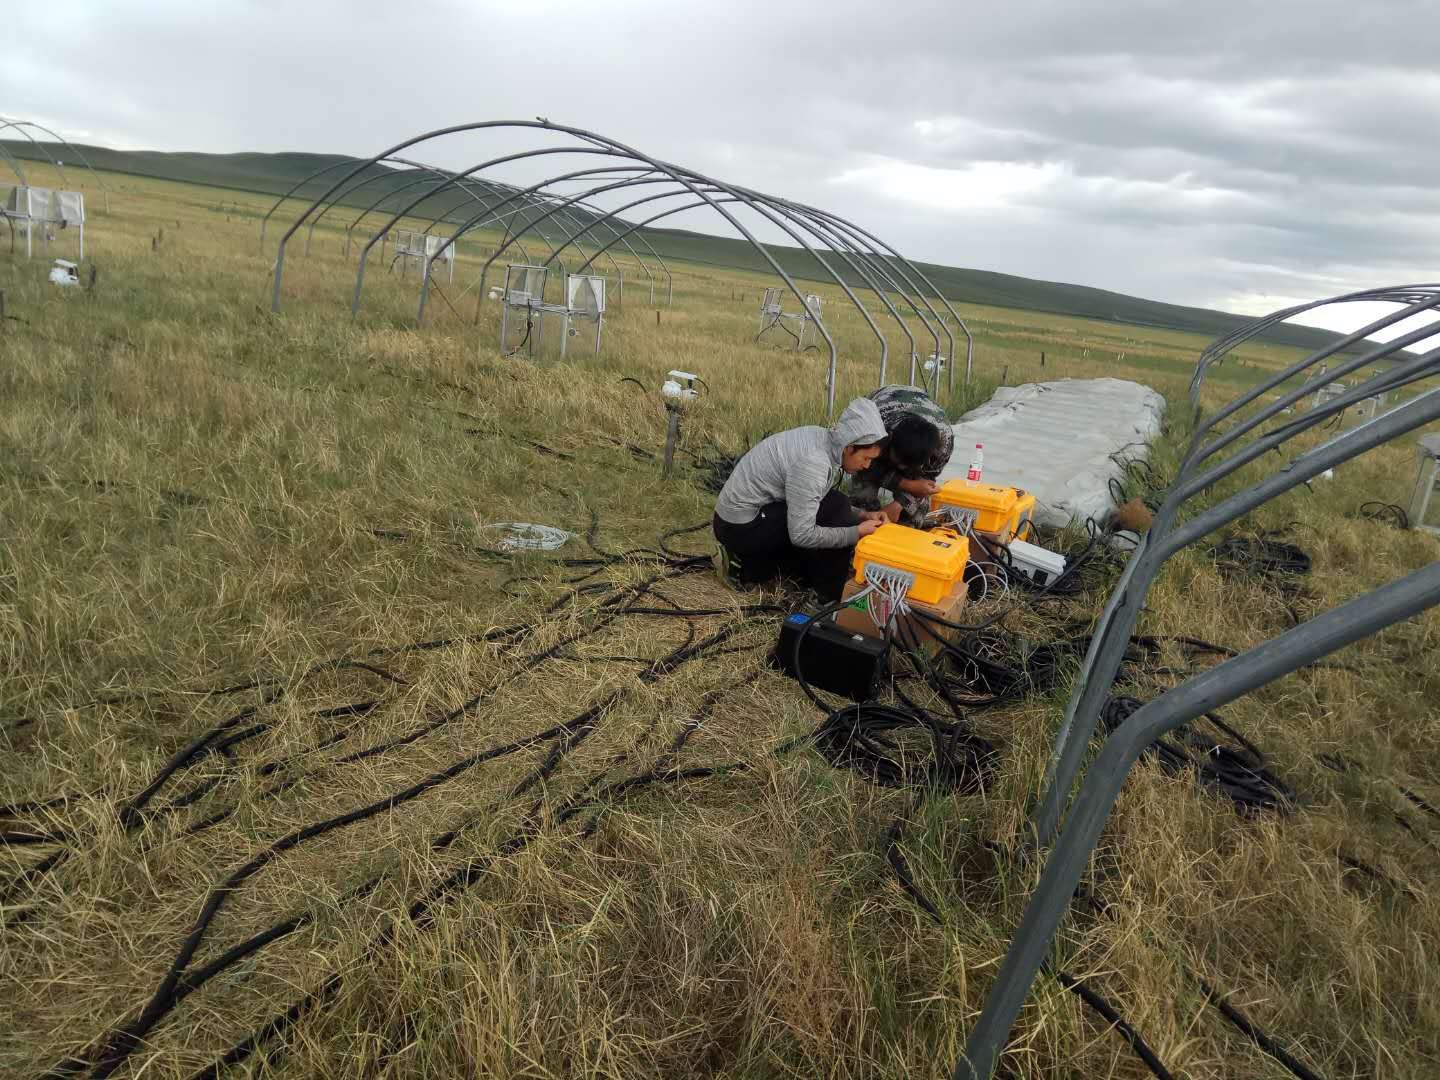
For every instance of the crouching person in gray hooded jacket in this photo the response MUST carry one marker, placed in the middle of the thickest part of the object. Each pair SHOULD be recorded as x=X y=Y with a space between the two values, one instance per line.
x=780 y=509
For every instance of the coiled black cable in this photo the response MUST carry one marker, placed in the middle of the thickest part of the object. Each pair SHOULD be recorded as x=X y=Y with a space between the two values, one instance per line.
x=1276 y=563
x=1239 y=773
x=1374 y=510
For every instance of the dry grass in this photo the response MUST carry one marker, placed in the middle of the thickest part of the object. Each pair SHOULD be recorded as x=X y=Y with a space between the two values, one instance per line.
x=189 y=490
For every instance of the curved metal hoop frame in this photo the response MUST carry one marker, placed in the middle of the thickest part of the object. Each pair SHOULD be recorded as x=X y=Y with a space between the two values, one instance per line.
x=21 y=125
x=1249 y=441
x=845 y=255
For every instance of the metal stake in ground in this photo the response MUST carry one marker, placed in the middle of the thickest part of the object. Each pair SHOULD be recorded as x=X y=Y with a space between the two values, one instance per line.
x=672 y=436
x=678 y=391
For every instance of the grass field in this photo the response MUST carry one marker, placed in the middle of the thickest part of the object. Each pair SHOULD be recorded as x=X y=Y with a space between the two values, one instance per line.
x=213 y=519
x=278 y=172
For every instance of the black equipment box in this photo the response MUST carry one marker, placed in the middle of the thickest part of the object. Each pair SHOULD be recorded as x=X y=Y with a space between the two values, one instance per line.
x=831 y=658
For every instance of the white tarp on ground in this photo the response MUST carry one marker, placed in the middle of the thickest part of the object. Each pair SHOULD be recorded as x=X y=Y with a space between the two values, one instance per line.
x=1056 y=440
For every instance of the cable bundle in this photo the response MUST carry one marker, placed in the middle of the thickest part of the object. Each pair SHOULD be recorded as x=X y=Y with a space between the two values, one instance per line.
x=1237 y=772
x=1273 y=562
x=714 y=466
x=1087 y=564
x=868 y=739
x=1374 y=510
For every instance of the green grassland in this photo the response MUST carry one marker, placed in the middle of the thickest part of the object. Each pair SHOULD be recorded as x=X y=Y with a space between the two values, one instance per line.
x=211 y=515
x=278 y=173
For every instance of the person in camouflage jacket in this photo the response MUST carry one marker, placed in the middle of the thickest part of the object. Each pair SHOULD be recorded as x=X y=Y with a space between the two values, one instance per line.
x=920 y=443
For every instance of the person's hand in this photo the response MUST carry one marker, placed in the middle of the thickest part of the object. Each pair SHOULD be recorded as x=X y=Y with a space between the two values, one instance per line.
x=869 y=525
x=921 y=489
x=874 y=515
x=892 y=510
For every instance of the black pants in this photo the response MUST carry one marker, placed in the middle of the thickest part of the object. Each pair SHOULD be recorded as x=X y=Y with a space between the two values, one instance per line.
x=763 y=549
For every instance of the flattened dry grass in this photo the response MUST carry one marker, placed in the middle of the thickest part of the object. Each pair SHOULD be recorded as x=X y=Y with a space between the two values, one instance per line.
x=197 y=496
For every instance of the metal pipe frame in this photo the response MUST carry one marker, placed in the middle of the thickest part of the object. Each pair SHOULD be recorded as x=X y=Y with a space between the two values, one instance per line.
x=1206 y=692
x=1216 y=351
x=572 y=218
x=604 y=220
x=14 y=166
x=840 y=248
x=533 y=203
x=523 y=196
x=1249 y=397
x=816 y=320
x=579 y=133
x=584 y=174
x=969 y=340
x=855 y=238
x=265 y=221
x=641 y=181
x=437 y=178
x=69 y=146
x=881 y=260
x=819 y=232
x=774 y=210
x=836 y=239
x=20 y=126
x=405 y=210
x=881 y=265
x=1260 y=665
x=430 y=173
x=493 y=189
x=567 y=215
x=664 y=268
x=844 y=240
x=706 y=185
x=1117 y=622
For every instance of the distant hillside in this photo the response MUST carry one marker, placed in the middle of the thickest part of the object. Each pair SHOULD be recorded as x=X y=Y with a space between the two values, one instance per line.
x=276 y=173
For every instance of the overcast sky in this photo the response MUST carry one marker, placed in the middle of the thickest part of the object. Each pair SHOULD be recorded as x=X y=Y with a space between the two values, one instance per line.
x=1239 y=156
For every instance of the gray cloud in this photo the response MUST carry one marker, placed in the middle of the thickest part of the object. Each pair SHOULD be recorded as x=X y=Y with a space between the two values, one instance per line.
x=1218 y=154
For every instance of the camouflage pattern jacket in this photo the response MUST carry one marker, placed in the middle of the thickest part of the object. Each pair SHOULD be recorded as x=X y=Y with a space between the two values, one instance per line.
x=894 y=402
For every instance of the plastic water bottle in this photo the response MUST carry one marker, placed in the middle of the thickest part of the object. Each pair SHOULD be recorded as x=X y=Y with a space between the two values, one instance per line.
x=977 y=463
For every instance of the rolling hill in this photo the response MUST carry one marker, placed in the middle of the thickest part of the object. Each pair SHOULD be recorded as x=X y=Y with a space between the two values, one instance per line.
x=275 y=173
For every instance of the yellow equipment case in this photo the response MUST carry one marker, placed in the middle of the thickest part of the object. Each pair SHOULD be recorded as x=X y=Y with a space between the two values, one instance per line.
x=1002 y=512
x=937 y=558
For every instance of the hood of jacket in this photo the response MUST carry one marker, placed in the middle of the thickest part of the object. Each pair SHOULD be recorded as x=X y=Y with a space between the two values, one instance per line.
x=859 y=423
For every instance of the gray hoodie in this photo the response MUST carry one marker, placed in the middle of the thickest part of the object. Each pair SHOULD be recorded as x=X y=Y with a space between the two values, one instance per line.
x=798 y=467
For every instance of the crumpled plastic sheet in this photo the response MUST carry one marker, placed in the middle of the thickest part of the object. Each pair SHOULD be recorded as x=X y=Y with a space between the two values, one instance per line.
x=1060 y=441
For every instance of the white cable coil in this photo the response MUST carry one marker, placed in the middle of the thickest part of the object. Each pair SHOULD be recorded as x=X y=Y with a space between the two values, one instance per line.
x=523 y=536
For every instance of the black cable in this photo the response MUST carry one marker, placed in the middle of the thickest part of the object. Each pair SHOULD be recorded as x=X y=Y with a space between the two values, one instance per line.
x=859 y=738
x=120 y=1043
x=901 y=868
x=1375 y=510
x=529 y=325
x=780 y=322
x=133 y=812
x=684 y=531
x=714 y=468
x=528 y=664
x=1257 y=1035
x=1121 y=1025
x=1275 y=563
x=1240 y=775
